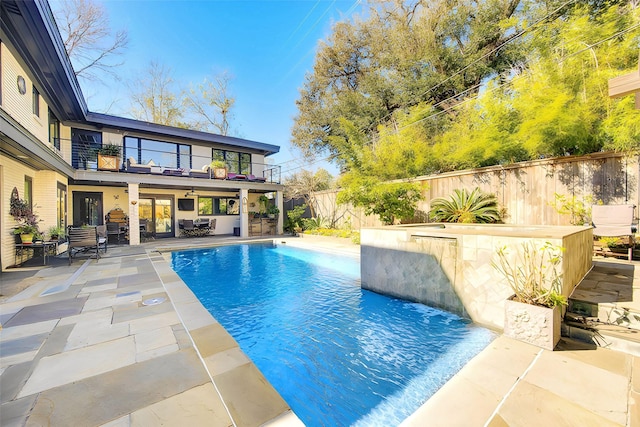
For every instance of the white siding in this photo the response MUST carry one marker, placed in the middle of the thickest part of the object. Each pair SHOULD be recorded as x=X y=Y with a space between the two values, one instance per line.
x=45 y=193
x=19 y=106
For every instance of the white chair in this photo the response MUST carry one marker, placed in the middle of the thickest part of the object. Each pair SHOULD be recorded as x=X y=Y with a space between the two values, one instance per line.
x=614 y=221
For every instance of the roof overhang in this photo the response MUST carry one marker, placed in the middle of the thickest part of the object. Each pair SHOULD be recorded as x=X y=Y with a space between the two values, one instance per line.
x=100 y=120
x=18 y=143
x=29 y=29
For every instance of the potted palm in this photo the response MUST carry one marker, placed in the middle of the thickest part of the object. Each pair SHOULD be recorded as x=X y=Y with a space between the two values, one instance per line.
x=533 y=312
x=219 y=169
x=109 y=157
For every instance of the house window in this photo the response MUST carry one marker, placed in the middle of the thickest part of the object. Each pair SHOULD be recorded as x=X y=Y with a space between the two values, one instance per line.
x=218 y=206
x=54 y=130
x=28 y=191
x=84 y=148
x=61 y=206
x=236 y=162
x=167 y=154
x=36 y=102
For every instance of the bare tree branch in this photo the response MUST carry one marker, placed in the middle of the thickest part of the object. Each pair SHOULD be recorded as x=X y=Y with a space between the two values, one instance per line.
x=153 y=98
x=90 y=43
x=211 y=103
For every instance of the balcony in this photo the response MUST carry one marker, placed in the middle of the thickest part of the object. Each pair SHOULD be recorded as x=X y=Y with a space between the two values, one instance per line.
x=174 y=164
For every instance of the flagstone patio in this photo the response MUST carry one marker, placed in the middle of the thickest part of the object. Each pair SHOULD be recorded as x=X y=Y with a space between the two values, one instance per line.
x=123 y=342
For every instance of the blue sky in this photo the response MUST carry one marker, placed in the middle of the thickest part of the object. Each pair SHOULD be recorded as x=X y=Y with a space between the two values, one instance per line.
x=267 y=46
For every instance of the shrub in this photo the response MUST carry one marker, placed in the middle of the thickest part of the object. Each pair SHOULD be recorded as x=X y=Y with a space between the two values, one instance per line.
x=578 y=210
x=533 y=273
x=465 y=207
x=314 y=223
x=294 y=218
x=333 y=232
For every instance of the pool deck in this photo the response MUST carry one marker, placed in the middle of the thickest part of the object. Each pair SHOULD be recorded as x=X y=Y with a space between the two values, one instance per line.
x=78 y=346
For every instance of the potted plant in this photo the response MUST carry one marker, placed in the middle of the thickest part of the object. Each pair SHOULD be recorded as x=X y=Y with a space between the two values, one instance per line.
x=533 y=312
x=109 y=157
x=219 y=169
x=56 y=233
x=19 y=208
x=27 y=232
x=272 y=211
x=263 y=200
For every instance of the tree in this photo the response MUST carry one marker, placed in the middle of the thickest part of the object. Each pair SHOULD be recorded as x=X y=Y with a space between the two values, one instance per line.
x=403 y=54
x=91 y=44
x=391 y=201
x=211 y=104
x=154 y=99
x=305 y=184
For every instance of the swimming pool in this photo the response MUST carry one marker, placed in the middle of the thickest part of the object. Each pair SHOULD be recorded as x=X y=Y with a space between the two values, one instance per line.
x=338 y=355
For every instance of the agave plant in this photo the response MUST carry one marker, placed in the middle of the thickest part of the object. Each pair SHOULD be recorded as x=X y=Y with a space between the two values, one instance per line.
x=465 y=207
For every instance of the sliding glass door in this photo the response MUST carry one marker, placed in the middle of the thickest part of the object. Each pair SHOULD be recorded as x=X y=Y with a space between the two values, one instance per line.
x=159 y=212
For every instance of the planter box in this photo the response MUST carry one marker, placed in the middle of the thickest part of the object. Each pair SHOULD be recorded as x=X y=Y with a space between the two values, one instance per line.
x=111 y=163
x=533 y=324
x=220 y=173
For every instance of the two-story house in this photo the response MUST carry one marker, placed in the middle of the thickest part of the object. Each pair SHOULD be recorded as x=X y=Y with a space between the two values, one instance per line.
x=51 y=150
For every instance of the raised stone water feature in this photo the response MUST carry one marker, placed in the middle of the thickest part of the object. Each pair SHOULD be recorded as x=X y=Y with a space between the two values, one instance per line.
x=449 y=265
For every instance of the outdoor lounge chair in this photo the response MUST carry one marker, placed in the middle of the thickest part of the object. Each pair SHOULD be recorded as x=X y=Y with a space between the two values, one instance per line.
x=173 y=171
x=82 y=239
x=254 y=178
x=205 y=172
x=134 y=166
x=614 y=221
x=236 y=177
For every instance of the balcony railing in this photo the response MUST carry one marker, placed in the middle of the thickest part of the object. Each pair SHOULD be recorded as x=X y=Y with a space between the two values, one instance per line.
x=85 y=157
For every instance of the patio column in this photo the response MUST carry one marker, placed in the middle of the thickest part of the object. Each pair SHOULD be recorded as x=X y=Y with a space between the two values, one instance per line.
x=244 y=212
x=134 y=217
x=280 y=205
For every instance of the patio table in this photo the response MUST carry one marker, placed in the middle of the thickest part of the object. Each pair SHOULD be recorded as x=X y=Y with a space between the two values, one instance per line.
x=45 y=246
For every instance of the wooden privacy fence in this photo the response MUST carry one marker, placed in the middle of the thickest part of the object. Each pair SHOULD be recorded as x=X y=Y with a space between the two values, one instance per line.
x=526 y=190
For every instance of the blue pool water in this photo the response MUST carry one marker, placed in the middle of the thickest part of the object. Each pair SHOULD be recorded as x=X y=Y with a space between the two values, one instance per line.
x=338 y=355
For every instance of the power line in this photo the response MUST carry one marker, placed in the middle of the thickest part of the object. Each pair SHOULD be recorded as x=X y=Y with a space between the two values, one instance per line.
x=619 y=33
x=470 y=99
x=417 y=97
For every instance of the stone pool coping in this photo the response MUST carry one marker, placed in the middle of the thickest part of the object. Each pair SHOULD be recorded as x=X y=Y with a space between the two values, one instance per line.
x=249 y=397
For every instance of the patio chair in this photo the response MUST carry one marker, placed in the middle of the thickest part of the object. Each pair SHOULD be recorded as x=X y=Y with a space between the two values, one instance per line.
x=103 y=239
x=113 y=228
x=187 y=227
x=145 y=233
x=614 y=221
x=82 y=239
